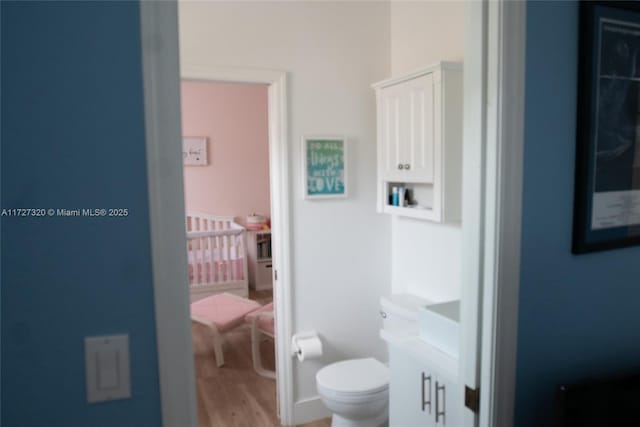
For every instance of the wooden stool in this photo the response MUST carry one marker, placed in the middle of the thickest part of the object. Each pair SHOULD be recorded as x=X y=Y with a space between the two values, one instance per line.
x=221 y=313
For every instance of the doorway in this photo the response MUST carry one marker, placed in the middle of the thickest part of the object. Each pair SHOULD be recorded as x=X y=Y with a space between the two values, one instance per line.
x=275 y=83
x=160 y=66
x=227 y=199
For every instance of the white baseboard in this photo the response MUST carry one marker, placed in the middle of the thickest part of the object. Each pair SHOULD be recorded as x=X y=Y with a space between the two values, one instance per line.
x=308 y=410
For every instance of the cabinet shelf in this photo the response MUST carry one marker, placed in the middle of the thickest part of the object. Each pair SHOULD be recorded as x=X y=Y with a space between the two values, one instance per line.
x=259 y=259
x=410 y=211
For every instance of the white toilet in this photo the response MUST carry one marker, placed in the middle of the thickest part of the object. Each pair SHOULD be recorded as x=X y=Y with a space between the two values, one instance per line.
x=356 y=391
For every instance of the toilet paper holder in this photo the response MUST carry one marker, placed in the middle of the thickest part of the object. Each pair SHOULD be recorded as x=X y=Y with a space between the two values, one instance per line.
x=296 y=351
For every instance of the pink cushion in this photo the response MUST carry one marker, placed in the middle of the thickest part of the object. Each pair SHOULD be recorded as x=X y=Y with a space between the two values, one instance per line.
x=225 y=311
x=264 y=323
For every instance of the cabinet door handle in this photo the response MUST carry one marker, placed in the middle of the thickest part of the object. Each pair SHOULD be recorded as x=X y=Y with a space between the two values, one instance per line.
x=426 y=402
x=407 y=166
x=440 y=413
x=400 y=166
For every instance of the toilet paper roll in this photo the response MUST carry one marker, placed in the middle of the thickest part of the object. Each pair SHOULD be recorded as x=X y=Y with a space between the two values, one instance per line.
x=308 y=347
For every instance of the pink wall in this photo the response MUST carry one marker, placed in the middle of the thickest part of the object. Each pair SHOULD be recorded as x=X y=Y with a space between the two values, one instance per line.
x=234 y=118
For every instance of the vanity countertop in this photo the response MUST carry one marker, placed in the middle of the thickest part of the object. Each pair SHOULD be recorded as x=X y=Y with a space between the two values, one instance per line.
x=424 y=352
x=402 y=315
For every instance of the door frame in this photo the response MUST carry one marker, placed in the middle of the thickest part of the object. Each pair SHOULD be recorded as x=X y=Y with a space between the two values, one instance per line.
x=280 y=205
x=162 y=75
x=161 y=78
x=504 y=39
x=499 y=161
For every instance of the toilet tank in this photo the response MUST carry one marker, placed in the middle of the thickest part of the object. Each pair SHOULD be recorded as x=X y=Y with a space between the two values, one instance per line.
x=399 y=313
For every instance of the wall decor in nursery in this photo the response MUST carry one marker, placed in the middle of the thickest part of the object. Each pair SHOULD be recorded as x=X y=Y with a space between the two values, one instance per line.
x=324 y=162
x=194 y=151
x=607 y=193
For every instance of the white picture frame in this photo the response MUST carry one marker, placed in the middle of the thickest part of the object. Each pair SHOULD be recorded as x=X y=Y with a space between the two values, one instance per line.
x=194 y=151
x=324 y=166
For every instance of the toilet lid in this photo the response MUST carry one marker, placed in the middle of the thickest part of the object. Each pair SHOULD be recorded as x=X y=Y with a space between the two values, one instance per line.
x=354 y=376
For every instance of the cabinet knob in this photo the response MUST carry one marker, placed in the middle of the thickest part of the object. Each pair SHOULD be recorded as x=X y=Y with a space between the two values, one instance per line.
x=383 y=314
x=400 y=166
x=407 y=166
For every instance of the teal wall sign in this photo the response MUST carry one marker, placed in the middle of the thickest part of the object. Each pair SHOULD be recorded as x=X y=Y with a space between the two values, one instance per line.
x=325 y=160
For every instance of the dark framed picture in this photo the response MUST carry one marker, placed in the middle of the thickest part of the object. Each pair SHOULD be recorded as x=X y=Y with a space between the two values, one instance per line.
x=607 y=184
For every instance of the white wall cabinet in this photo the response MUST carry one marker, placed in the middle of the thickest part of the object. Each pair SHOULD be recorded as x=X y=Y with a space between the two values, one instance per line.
x=421 y=394
x=419 y=128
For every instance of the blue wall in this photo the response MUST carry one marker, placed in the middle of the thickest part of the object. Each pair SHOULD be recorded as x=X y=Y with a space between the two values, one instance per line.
x=579 y=315
x=73 y=137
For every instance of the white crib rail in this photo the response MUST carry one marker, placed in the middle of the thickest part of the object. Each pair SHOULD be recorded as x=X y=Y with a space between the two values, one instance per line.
x=196 y=221
x=197 y=234
x=217 y=253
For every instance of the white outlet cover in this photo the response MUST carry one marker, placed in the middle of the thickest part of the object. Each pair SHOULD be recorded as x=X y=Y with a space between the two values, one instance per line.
x=107 y=368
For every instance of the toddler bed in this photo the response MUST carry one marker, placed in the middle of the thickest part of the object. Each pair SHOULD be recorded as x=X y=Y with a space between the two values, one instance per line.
x=216 y=253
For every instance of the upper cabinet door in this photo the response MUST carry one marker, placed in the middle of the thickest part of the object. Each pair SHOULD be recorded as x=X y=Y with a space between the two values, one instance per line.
x=392 y=122
x=406 y=131
x=419 y=145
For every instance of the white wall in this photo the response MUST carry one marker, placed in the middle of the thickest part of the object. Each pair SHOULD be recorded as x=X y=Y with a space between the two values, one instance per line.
x=341 y=248
x=426 y=257
x=425 y=32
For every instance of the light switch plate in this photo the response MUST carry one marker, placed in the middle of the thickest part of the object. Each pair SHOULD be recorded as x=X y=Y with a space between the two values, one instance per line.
x=107 y=368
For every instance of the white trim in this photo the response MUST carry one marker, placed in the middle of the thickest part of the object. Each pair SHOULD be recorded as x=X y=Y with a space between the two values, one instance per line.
x=473 y=188
x=506 y=34
x=160 y=69
x=442 y=65
x=230 y=74
x=280 y=210
x=310 y=409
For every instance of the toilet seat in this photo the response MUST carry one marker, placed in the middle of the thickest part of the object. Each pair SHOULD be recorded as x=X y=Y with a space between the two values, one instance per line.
x=355 y=378
x=353 y=398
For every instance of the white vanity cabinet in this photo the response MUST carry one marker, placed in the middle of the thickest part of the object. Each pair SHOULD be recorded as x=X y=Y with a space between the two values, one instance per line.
x=422 y=395
x=410 y=396
x=419 y=135
x=425 y=387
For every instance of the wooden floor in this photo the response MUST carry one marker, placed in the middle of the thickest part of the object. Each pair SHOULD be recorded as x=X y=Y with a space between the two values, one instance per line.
x=234 y=395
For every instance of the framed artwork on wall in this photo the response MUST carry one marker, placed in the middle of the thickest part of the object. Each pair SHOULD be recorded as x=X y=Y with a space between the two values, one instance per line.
x=324 y=165
x=194 y=151
x=607 y=185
